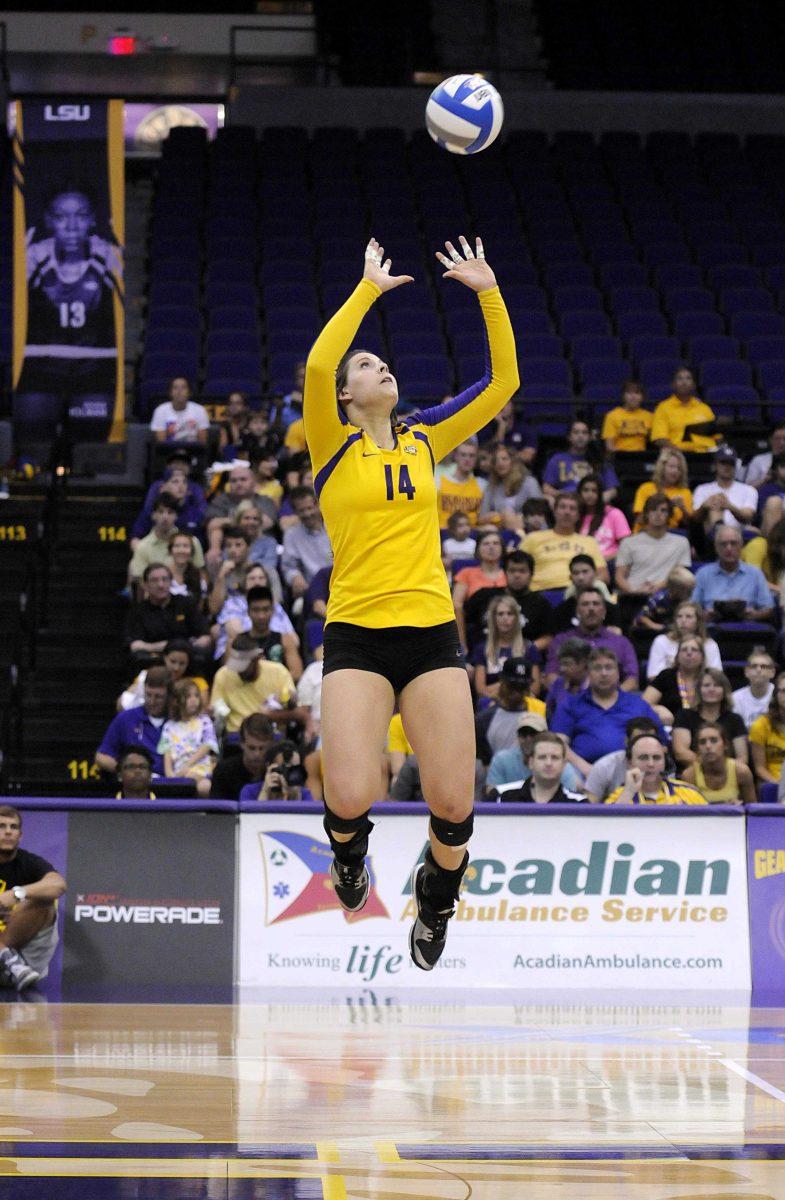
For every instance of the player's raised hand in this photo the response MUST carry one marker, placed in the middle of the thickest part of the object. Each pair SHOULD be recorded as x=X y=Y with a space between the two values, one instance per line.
x=470 y=267
x=377 y=268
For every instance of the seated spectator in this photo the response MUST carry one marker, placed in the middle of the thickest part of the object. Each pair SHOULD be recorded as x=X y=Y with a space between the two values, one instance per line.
x=771 y=496
x=646 y=559
x=497 y=726
x=187 y=578
x=140 y=726
x=135 y=774
x=719 y=777
x=731 y=579
x=233 y=422
x=398 y=748
x=659 y=611
x=249 y=684
x=180 y=419
x=188 y=497
x=646 y=782
x=177 y=661
x=626 y=428
x=715 y=704
x=537 y=515
x=767 y=737
x=553 y=549
x=670 y=479
x=583 y=577
x=768 y=553
x=606 y=524
x=261 y=547
x=504 y=640
x=460 y=543
x=275 y=646
x=758 y=469
x=230 y=574
x=188 y=742
x=294 y=442
x=545 y=784
x=536 y=612
x=220 y=513
x=458 y=490
x=317 y=595
x=687 y=619
x=595 y=720
x=725 y=501
x=155 y=547
x=309 y=695
x=284 y=776
x=510 y=485
x=590 y=611
x=489 y=573
x=509 y=429
x=683 y=421
x=753 y=701
x=29 y=890
x=267 y=482
x=290 y=407
x=678 y=687
x=512 y=766
x=160 y=616
x=233 y=772
x=565 y=469
x=610 y=771
x=259 y=444
x=572 y=657
x=306 y=546
x=233 y=617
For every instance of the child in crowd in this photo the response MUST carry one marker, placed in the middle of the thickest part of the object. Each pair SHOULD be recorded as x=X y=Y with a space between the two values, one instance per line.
x=753 y=701
x=627 y=427
x=460 y=543
x=188 y=742
x=659 y=610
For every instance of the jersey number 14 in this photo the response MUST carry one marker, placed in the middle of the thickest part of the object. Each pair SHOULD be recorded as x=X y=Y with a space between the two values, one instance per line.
x=405 y=486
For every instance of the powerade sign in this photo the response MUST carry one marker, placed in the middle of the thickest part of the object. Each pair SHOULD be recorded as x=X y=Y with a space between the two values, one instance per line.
x=547 y=900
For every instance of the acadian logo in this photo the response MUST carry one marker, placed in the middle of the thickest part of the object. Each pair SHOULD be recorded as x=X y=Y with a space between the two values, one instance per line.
x=605 y=872
x=769 y=862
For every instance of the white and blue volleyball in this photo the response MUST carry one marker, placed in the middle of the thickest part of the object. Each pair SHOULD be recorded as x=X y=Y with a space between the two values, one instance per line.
x=464 y=114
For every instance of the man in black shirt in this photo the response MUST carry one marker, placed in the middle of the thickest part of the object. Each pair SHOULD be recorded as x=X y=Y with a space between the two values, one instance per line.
x=276 y=647
x=536 y=612
x=544 y=786
x=161 y=616
x=29 y=888
x=232 y=774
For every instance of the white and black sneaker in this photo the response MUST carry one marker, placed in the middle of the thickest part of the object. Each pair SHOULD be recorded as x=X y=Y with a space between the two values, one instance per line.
x=15 y=972
x=428 y=934
x=350 y=884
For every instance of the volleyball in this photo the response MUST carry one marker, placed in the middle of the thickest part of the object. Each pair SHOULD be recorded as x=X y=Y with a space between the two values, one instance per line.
x=464 y=114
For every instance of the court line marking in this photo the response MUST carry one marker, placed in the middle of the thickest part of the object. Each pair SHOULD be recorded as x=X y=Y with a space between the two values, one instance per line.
x=387 y=1152
x=731 y=1065
x=333 y=1186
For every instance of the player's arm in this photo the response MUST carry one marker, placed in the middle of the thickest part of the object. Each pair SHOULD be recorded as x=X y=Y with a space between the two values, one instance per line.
x=452 y=422
x=324 y=427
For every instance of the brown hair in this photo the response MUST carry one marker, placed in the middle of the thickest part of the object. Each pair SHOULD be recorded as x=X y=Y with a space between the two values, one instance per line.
x=8 y=810
x=342 y=375
x=157 y=677
x=518 y=472
x=715 y=725
x=180 y=693
x=546 y=738
x=654 y=501
x=726 y=703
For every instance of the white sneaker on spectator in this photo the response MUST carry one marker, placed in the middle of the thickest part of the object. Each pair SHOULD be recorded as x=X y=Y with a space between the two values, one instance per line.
x=14 y=971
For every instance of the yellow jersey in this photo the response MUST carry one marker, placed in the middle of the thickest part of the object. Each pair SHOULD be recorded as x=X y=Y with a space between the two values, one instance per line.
x=629 y=428
x=671 y=418
x=455 y=497
x=552 y=552
x=763 y=732
x=672 y=791
x=379 y=506
x=295 y=436
x=243 y=698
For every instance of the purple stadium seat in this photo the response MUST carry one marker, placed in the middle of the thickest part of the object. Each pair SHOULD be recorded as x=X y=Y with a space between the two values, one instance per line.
x=547 y=371
x=734 y=275
x=636 y=324
x=233 y=341
x=660 y=254
x=251 y=385
x=769 y=254
x=294 y=320
x=657 y=372
x=419 y=342
x=723 y=372
x=714 y=346
x=735 y=300
x=543 y=345
x=289 y=295
x=648 y=233
x=523 y=297
x=644 y=347
x=424 y=375
x=746 y=325
x=735 y=398
x=230 y=270
x=530 y=322
x=465 y=322
x=222 y=294
x=174 y=294
x=673 y=276
x=610 y=252
x=600 y=393
x=569 y=275
x=184 y=248
x=766 y=349
x=470 y=367
x=689 y=300
x=622 y=274
x=175 y=270
x=291 y=341
x=772 y=374
x=400 y=321
x=167 y=363
x=607 y=372
x=707 y=233
x=173 y=316
x=557 y=251
x=634 y=299
x=688 y=325
x=571 y=299
x=552 y=393
x=582 y=348
x=181 y=341
x=241 y=364
x=584 y=323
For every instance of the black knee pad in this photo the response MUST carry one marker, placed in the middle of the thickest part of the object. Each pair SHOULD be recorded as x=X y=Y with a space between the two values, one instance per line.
x=357 y=845
x=452 y=833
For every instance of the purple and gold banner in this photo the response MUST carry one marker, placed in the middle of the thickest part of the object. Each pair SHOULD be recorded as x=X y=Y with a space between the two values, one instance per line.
x=766 y=873
x=69 y=229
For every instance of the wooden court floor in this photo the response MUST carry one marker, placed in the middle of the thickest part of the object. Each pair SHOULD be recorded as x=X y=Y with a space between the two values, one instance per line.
x=394 y=1098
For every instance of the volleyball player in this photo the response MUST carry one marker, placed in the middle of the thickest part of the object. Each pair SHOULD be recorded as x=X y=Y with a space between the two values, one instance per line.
x=70 y=358
x=390 y=623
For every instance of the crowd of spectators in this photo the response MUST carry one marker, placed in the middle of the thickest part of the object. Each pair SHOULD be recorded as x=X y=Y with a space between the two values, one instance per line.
x=602 y=614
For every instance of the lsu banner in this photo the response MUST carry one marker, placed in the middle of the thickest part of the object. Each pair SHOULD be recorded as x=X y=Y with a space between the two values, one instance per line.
x=69 y=202
x=766 y=864
x=548 y=901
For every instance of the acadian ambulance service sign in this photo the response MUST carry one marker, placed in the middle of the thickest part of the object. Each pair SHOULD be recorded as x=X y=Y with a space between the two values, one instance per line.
x=584 y=901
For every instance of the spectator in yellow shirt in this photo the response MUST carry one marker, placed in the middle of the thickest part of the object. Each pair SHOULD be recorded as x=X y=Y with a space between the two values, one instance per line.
x=295 y=437
x=627 y=427
x=683 y=421
x=646 y=781
x=671 y=479
x=553 y=549
x=767 y=737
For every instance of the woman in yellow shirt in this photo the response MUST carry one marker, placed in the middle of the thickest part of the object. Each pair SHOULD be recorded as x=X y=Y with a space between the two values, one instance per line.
x=670 y=476
x=767 y=737
x=390 y=628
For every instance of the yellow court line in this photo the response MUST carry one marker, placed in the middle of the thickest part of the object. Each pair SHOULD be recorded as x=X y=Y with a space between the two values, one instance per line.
x=333 y=1186
x=387 y=1152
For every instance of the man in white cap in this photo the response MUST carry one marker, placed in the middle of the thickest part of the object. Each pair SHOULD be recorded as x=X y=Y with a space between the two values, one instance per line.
x=248 y=684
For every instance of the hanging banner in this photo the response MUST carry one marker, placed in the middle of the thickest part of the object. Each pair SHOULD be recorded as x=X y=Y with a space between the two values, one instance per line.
x=766 y=866
x=69 y=231
x=578 y=901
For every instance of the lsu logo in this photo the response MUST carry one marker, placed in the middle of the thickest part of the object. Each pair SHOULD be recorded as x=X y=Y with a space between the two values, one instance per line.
x=410 y=449
x=297 y=879
x=67 y=112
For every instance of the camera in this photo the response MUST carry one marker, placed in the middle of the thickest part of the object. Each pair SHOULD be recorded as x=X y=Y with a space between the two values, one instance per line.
x=293 y=774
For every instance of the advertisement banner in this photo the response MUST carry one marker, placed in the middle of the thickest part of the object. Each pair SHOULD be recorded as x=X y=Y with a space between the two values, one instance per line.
x=766 y=866
x=548 y=901
x=149 y=906
x=68 y=350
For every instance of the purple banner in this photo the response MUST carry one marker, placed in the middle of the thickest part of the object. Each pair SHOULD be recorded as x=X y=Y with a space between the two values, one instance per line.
x=766 y=873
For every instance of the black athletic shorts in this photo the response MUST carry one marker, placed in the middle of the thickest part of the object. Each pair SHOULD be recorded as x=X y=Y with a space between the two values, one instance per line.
x=400 y=653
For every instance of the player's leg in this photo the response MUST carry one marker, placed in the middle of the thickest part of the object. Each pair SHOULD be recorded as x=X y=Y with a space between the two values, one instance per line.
x=356 y=710
x=25 y=922
x=438 y=717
